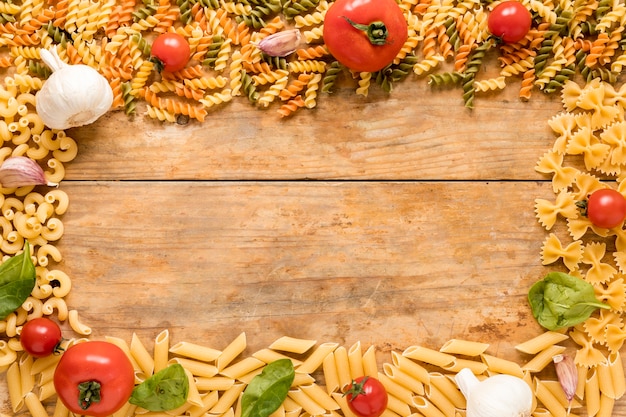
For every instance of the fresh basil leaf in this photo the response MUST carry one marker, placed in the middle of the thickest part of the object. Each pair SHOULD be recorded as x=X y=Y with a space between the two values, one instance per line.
x=17 y=280
x=163 y=391
x=562 y=300
x=267 y=391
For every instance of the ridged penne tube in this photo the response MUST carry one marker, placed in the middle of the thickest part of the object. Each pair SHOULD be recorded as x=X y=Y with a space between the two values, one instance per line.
x=242 y=367
x=227 y=399
x=197 y=368
x=464 y=347
x=231 y=351
x=429 y=356
x=208 y=401
x=292 y=345
x=161 y=348
x=143 y=358
x=315 y=359
x=410 y=367
x=269 y=355
x=216 y=383
x=14 y=386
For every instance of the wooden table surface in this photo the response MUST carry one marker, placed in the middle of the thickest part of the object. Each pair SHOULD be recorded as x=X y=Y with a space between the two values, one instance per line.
x=393 y=220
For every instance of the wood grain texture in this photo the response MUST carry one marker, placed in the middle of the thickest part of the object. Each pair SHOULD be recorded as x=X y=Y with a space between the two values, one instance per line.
x=419 y=228
x=391 y=263
x=414 y=133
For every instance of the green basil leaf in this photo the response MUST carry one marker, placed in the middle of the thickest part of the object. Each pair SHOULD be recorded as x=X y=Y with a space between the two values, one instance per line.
x=267 y=391
x=17 y=280
x=163 y=391
x=562 y=300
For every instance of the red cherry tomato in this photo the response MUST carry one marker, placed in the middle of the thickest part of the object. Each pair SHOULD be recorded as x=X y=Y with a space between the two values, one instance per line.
x=365 y=35
x=94 y=378
x=606 y=208
x=509 y=21
x=171 y=50
x=367 y=397
x=41 y=337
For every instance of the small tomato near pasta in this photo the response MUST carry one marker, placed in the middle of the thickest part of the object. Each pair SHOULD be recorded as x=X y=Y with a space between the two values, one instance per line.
x=41 y=337
x=365 y=35
x=170 y=51
x=510 y=21
x=367 y=397
x=94 y=378
x=606 y=208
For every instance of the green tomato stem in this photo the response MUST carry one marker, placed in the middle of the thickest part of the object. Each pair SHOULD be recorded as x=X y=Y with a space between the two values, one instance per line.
x=376 y=31
x=89 y=393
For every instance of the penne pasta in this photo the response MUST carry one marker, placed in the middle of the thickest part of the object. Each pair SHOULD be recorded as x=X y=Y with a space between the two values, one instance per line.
x=541 y=342
x=208 y=401
x=329 y=370
x=502 y=366
x=14 y=385
x=404 y=379
x=549 y=401
x=243 y=367
x=216 y=383
x=342 y=365
x=448 y=388
x=144 y=360
x=292 y=345
x=410 y=367
x=193 y=396
x=429 y=356
x=269 y=355
x=543 y=358
x=315 y=359
x=194 y=351
x=35 y=407
x=319 y=396
x=355 y=360
x=395 y=389
x=197 y=368
x=227 y=399
x=306 y=402
x=442 y=402
x=618 y=379
x=234 y=349
x=592 y=393
x=427 y=408
x=161 y=350
x=370 y=365
x=464 y=347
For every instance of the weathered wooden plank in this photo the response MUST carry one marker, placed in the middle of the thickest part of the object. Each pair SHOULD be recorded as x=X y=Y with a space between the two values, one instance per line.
x=386 y=263
x=413 y=133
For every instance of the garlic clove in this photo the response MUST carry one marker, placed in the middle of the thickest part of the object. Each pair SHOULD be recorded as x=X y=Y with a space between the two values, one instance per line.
x=21 y=171
x=281 y=43
x=73 y=95
x=567 y=374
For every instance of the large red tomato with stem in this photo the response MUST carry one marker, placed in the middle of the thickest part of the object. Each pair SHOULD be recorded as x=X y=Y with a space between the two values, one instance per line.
x=365 y=35
x=509 y=21
x=94 y=378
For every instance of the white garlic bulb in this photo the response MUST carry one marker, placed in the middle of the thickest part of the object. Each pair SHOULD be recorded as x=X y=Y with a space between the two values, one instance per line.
x=497 y=396
x=73 y=95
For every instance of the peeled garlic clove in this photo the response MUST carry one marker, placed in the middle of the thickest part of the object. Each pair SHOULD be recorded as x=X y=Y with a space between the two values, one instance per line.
x=21 y=171
x=73 y=95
